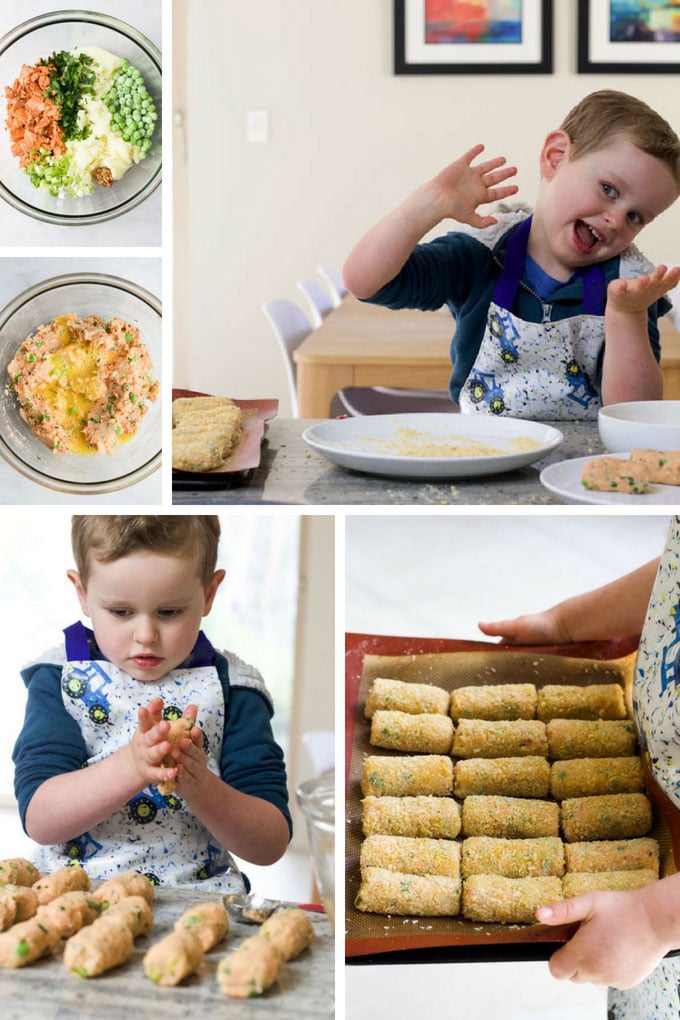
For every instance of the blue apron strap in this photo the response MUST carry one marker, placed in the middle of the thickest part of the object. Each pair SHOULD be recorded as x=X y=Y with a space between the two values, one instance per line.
x=203 y=653
x=513 y=267
x=77 y=643
x=594 y=290
x=594 y=286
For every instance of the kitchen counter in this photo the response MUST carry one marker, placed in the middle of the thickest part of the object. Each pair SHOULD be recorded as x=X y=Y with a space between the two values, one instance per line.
x=47 y=991
x=290 y=472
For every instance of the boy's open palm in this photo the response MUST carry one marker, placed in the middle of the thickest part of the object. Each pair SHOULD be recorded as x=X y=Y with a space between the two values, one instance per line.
x=638 y=294
x=461 y=187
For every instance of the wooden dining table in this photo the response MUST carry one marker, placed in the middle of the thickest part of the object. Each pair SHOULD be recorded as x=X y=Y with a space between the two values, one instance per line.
x=359 y=344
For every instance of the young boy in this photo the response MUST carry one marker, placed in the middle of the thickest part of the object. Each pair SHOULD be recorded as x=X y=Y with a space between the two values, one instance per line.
x=536 y=297
x=622 y=937
x=90 y=756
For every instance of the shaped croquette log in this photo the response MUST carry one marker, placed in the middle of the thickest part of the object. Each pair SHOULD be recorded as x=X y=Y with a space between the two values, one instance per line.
x=509 y=777
x=70 y=912
x=569 y=701
x=494 y=898
x=590 y=738
x=612 y=816
x=395 y=695
x=578 y=882
x=98 y=948
x=17 y=903
x=480 y=738
x=179 y=728
x=613 y=474
x=289 y=931
x=130 y=883
x=513 y=858
x=28 y=941
x=69 y=879
x=407 y=776
x=400 y=731
x=613 y=855
x=494 y=702
x=134 y=912
x=18 y=871
x=436 y=817
x=661 y=468
x=415 y=856
x=510 y=817
x=173 y=958
x=209 y=922
x=588 y=777
x=394 y=892
x=249 y=970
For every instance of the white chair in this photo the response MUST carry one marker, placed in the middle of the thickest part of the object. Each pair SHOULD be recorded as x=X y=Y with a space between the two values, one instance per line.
x=319 y=300
x=291 y=326
x=333 y=280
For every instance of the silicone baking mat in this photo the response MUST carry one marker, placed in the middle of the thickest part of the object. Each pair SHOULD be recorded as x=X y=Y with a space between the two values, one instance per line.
x=450 y=664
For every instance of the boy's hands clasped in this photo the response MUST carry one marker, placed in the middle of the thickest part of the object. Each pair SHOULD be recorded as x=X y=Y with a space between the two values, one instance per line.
x=149 y=745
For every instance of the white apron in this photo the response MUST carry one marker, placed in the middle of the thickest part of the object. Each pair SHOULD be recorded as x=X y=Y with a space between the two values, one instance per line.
x=537 y=370
x=655 y=692
x=153 y=834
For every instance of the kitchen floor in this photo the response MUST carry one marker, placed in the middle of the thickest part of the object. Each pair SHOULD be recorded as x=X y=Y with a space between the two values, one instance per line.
x=437 y=577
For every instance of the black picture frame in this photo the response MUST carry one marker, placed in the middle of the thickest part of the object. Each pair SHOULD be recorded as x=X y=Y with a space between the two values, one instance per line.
x=540 y=63
x=616 y=54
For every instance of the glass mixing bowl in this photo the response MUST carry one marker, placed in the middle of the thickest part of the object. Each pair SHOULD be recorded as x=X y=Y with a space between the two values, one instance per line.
x=84 y=294
x=62 y=30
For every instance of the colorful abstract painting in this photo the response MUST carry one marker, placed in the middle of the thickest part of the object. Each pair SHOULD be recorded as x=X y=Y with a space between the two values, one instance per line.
x=635 y=21
x=473 y=21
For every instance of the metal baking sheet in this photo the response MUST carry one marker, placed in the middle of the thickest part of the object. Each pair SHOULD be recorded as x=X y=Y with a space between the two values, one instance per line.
x=450 y=664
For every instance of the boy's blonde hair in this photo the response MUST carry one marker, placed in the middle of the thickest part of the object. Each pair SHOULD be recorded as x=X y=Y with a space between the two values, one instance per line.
x=109 y=537
x=601 y=116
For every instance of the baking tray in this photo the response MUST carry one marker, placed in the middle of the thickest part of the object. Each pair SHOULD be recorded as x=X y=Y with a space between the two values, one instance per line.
x=246 y=456
x=451 y=663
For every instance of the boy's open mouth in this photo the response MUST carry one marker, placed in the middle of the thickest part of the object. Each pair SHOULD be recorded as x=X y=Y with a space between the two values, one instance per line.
x=587 y=237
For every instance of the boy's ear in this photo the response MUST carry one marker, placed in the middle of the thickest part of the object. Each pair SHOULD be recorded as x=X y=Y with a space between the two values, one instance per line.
x=75 y=579
x=211 y=590
x=556 y=148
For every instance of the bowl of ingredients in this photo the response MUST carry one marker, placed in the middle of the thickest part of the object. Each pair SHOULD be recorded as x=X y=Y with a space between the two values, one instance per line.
x=80 y=360
x=648 y=424
x=80 y=117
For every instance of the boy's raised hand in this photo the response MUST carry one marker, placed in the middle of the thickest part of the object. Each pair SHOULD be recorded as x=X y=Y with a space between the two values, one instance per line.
x=638 y=294
x=461 y=187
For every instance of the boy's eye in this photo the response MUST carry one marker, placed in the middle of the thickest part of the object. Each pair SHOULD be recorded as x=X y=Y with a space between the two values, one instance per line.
x=168 y=613
x=608 y=189
x=635 y=218
x=119 y=613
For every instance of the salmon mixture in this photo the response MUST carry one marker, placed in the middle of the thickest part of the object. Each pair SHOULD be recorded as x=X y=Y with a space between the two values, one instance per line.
x=83 y=385
x=79 y=119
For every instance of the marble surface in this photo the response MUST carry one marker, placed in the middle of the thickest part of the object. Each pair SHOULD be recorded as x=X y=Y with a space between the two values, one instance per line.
x=290 y=472
x=15 y=276
x=141 y=227
x=47 y=991
x=438 y=575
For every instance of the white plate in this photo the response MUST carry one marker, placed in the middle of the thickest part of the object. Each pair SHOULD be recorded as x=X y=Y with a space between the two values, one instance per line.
x=564 y=480
x=356 y=443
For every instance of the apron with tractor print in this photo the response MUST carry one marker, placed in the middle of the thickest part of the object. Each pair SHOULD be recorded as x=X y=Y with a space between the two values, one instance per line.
x=536 y=370
x=154 y=834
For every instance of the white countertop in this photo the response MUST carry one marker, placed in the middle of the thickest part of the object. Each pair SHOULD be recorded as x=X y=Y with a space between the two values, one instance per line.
x=140 y=227
x=20 y=273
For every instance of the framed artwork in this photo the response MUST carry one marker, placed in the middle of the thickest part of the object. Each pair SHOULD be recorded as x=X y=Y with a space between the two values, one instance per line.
x=473 y=37
x=628 y=37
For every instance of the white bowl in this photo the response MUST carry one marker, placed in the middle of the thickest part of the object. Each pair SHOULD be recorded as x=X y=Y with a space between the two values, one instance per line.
x=649 y=424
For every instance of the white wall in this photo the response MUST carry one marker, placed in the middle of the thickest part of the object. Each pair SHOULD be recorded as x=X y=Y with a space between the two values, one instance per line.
x=348 y=140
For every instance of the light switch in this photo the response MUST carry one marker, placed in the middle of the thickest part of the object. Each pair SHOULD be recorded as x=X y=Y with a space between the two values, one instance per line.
x=257 y=126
